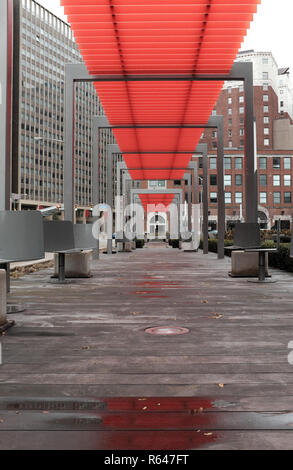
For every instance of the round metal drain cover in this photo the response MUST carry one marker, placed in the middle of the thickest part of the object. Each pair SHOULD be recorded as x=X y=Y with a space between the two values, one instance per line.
x=167 y=331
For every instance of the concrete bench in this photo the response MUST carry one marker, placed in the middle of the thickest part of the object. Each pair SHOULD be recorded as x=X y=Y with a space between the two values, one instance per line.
x=21 y=239
x=71 y=243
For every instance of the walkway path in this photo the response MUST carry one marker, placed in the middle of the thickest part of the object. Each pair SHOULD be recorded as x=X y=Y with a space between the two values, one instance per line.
x=79 y=349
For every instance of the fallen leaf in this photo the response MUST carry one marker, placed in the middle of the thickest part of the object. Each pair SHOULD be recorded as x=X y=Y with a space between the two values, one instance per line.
x=142 y=399
x=86 y=348
x=204 y=301
x=208 y=433
x=221 y=385
x=1 y=420
x=217 y=316
x=145 y=408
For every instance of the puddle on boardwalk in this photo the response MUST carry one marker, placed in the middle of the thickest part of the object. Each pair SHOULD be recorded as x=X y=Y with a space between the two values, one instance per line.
x=138 y=423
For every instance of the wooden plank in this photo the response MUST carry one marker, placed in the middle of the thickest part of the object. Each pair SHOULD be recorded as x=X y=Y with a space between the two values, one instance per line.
x=144 y=421
x=147 y=379
x=141 y=440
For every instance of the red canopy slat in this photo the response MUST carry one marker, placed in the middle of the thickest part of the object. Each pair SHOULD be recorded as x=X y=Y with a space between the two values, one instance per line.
x=125 y=37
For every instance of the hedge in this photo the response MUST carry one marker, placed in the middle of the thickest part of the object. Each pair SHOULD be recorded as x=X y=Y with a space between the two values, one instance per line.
x=280 y=259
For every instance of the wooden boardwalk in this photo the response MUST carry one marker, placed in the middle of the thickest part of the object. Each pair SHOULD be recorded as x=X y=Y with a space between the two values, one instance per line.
x=79 y=371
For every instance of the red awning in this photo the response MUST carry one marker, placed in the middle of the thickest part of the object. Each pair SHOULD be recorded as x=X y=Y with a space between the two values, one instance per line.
x=159 y=37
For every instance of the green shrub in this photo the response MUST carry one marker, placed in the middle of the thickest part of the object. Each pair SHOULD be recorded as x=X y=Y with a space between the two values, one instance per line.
x=281 y=259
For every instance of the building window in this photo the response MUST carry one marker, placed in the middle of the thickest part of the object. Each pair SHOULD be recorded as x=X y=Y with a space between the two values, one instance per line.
x=200 y=162
x=238 y=198
x=214 y=113
x=241 y=110
x=265 y=87
x=213 y=198
x=229 y=90
x=213 y=163
x=287 y=180
x=266 y=142
x=241 y=88
x=229 y=111
x=230 y=132
x=213 y=180
x=287 y=197
x=230 y=144
x=241 y=145
x=230 y=122
x=266 y=120
x=157 y=184
x=265 y=109
x=241 y=132
x=276 y=180
x=228 y=198
x=287 y=163
x=214 y=145
x=266 y=131
x=177 y=182
x=238 y=163
x=238 y=180
x=276 y=163
x=241 y=99
x=262 y=180
x=265 y=75
x=227 y=180
x=263 y=198
x=229 y=100
x=265 y=60
x=277 y=198
x=214 y=134
x=227 y=163
x=282 y=104
x=266 y=98
x=262 y=163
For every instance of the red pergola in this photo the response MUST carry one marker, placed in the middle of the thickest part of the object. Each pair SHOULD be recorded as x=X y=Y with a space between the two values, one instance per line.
x=159 y=37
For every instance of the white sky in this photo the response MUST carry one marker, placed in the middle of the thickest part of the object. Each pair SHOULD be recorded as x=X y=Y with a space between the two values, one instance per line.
x=270 y=31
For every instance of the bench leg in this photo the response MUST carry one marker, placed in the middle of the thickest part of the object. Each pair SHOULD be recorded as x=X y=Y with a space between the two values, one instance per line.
x=262 y=266
x=61 y=265
x=262 y=270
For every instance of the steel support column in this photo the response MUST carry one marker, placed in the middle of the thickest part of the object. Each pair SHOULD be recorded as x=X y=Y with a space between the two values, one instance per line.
x=111 y=149
x=218 y=123
x=6 y=70
x=6 y=80
x=204 y=150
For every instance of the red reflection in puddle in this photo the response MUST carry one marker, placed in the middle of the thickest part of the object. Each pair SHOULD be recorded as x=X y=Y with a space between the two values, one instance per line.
x=157 y=424
x=149 y=294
